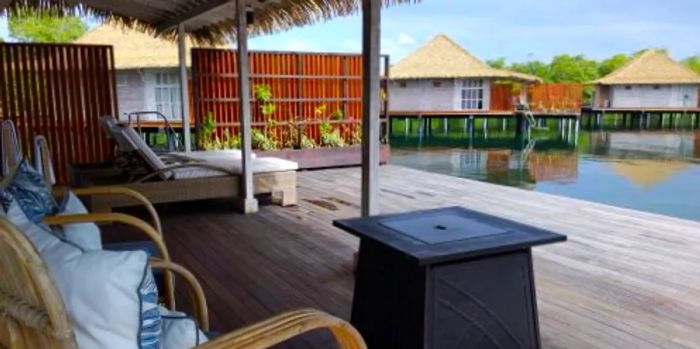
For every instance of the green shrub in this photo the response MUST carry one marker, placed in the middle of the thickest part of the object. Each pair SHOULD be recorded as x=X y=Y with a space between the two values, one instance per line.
x=330 y=136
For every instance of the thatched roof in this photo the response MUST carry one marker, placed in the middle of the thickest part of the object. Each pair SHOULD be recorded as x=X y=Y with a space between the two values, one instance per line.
x=651 y=67
x=209 y=21
x=135 y=49
x=441 y=57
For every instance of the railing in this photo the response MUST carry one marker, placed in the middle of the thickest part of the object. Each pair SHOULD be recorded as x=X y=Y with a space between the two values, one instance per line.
x=502 y=96
x=555 y=98
x=59 y=91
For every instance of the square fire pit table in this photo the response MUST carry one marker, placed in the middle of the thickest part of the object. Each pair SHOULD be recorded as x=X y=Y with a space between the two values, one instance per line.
x=445 y=278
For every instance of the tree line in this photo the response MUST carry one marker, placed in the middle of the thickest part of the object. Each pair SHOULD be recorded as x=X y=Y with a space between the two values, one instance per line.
x=577 y=68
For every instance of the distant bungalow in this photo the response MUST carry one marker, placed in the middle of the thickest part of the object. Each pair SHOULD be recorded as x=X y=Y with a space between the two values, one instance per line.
x=147 y=73
x=651 y=81
x=443 y=76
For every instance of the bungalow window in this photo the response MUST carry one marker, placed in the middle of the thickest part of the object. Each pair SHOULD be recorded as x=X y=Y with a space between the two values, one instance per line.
x=472 y=94
x=437 y=84
x=402 y=84
x=167 y=94
x=628 y=87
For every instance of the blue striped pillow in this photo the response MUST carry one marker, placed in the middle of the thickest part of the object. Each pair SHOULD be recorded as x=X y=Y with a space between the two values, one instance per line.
x=27 y=186
x=150 y=321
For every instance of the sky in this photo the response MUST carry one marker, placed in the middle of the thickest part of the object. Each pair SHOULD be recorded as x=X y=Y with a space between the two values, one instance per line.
x=515 y=29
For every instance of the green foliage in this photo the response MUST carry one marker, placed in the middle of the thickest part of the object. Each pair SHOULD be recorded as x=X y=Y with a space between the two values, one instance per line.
x=307 y=143
x=268 y=108
x=567 y=68
x=577 y=68
x=29 y=26
x=260 y=140
x=611 y=64
x=263 y=92
x=230 y=141
x=206 y=136
x=498 y=63
x=330 y=136
x=693 y=63
x=338 y=114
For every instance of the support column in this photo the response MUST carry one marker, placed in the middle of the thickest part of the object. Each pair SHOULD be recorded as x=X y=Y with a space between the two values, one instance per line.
x=248 y=203
x=371 y=12
x=184 y=87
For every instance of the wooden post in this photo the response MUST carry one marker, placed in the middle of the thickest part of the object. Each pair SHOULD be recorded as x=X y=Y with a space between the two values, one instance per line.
x=184 y=87
x=406 y=121
x=371 y=11
x=248 y=203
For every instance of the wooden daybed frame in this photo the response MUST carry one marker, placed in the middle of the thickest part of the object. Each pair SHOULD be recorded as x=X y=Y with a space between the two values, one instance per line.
x=281 y=185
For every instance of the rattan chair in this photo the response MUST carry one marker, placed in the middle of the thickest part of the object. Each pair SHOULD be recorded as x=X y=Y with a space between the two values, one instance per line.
x=32 y=314
x=11 y=157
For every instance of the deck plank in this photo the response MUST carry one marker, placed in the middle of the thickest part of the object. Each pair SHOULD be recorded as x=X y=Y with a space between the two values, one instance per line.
x=625 y=279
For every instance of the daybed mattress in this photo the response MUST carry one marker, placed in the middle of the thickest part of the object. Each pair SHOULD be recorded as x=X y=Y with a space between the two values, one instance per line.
x=260 y=165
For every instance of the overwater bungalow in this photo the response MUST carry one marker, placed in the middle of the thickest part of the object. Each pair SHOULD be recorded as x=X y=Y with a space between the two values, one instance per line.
x=650 y=82
x=441 y=76
x=448 y=277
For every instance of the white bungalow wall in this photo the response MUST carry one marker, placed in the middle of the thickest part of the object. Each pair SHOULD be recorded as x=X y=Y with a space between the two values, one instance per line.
x=654 y=96
x=136 y=91
x=426 y=95
x=130 y=91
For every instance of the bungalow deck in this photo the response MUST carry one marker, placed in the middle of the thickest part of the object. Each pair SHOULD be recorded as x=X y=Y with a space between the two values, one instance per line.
x=624 y=279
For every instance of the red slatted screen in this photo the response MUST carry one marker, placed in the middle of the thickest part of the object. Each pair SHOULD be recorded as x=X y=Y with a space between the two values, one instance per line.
x=560 y=97
x=501 y=97
x=59 y=91
x=300 y=82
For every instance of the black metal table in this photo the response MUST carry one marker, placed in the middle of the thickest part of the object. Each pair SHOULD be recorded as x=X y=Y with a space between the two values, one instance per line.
x=445 y=278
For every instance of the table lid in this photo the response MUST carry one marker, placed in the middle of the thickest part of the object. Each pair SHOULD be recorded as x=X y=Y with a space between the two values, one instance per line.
x=446 y=234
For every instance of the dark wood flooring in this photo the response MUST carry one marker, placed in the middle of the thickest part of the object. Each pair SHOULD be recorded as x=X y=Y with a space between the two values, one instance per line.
x=253 y=267
x=624 y=279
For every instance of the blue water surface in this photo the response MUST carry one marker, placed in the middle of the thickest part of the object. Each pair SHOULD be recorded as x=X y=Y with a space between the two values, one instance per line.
x=654 y=170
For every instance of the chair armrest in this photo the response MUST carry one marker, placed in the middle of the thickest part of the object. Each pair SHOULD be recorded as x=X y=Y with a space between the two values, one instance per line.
x=286 y=326
x=196 y=293
x=133 y=194
x=144 y=227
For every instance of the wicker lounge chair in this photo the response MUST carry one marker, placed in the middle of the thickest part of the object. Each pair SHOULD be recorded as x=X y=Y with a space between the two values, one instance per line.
x=154 y=243
x=180 y=177
x=34 y=315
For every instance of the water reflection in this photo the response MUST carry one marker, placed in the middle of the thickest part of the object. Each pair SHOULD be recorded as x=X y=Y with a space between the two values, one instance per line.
x=653 y=169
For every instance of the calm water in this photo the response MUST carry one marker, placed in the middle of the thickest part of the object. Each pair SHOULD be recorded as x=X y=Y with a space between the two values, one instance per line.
x=655 y=170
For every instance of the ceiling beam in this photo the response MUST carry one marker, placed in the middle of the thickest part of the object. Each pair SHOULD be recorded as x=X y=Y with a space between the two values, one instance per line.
x=5 y=4
x=197 y=11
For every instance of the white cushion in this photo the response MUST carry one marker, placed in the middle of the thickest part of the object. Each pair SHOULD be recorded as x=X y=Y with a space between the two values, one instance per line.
x=110 y=297
x=85 y=235
x=260 y=165
x=204 y=155
x=179 y=331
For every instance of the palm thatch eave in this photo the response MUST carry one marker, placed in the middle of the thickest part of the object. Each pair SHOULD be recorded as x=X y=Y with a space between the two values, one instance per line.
x=215 y=26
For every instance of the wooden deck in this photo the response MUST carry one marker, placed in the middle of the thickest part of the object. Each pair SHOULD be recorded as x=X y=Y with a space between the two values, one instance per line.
x=625 y=279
